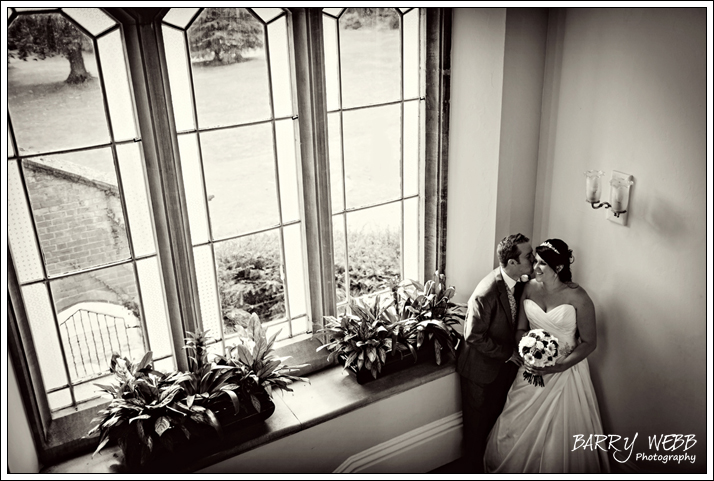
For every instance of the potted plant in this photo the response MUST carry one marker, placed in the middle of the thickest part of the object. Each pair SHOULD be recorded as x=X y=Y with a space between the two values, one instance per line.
x=366 y=339
x=161 y=419
x=429 y=315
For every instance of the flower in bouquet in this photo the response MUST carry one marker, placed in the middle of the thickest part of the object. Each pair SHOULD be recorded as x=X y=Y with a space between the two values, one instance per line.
x=539 y=349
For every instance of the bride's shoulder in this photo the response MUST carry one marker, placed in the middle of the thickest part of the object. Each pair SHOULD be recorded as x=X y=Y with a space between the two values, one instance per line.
x=578 y=294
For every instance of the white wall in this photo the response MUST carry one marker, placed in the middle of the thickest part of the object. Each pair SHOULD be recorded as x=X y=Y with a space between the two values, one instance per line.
x=497 y=58
x=626 y=90
x=477 y=57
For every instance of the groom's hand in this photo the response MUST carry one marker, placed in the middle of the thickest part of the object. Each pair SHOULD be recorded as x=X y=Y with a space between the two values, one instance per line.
x=516 y=359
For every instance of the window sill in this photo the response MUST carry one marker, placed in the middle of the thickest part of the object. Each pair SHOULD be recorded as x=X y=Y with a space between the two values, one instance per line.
x=330 y=394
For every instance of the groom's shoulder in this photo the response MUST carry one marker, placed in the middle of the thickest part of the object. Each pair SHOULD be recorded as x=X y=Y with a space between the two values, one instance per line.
x=487 y=286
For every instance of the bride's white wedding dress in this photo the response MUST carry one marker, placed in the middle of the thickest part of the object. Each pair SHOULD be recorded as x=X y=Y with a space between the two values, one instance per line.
x=535 y=433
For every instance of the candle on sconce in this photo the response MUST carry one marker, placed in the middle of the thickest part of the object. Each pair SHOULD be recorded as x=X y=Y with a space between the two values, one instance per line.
x=592 y=185
x=619 y=194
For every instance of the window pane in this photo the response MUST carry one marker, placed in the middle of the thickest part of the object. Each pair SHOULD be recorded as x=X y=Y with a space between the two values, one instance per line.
x=207 y=293
x=334 y=136
x=411 y=239
x=136 y=198
x=230 y=71
x=288 y=169
x=280 y=66
x=177 y=66
x=338 y=242
x=59 y=399
x=116 y=83
x=54 y=94
x=193 y=187
x=240 y=179
x=77 y=208
x=372 y=155
x=20 y=230
x=180 y=16
x=373 y=242
x=250 y=279
x=152 y=294
x=98 y=314
x=10 y=148
x=411 y=54
x=370 y=56
x=335 y=12
x=267 y=14
x=332 y=68
x=411 y=148
x=92 y=19
x=44 y=335
x=295 y=270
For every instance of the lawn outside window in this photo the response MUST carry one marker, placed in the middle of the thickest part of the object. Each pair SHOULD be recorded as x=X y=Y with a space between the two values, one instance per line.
x=209 y=183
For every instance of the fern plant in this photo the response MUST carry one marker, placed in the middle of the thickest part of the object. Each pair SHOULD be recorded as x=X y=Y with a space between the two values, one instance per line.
x=428 y=314
x=253 y=355
x=365 y=336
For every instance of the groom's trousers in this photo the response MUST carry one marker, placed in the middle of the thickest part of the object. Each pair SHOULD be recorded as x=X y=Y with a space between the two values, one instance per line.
x=481 y=406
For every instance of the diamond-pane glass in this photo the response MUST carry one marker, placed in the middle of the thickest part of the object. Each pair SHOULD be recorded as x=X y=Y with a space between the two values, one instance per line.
x=332 y=69
x=44 y=335
x=334 y=137
x=373 y=245
x=77 y=209
x=280 y=67
x=10 y=148
x=370 y=56
x=180 y=17
x=38 y=82
x=335 y=12
x=19 y=229
x=250 y=279
x=338 y=243
x=267 y=14
x=193 y=187
x=136 y=198
x=411 y=148
x=177 y=66
x=152 y=295
x=93 y=19
x=239 y=167
x=288 y=170
x=411 y=54
x=230 y=69
x=98 y=314
x=411 y=239
x=295 y=270
x=207 y=293
x=372 y=155
x=116 y=82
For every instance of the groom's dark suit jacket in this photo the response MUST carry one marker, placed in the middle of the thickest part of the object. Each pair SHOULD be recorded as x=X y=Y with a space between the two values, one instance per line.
x=489 y=331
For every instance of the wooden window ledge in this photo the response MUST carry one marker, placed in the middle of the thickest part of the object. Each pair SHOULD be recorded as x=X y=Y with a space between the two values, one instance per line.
x=331 y=393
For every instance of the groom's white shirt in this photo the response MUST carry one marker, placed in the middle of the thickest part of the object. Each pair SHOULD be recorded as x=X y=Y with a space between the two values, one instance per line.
x=509 y=282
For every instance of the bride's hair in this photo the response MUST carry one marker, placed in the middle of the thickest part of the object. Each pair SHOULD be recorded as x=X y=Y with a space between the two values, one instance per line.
x=556 y=253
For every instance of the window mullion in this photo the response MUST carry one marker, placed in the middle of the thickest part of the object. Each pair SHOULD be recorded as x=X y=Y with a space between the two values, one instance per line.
x=144 y=43
x=315 y=170
x=438 y=64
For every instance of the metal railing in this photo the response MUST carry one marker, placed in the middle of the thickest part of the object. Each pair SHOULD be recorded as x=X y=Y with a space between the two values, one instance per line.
x=91 y=338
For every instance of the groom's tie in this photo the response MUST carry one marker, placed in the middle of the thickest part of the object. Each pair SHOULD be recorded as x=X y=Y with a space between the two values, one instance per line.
x=512 y=302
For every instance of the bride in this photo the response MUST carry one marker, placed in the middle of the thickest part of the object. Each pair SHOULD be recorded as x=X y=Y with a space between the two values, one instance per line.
x=535 y=432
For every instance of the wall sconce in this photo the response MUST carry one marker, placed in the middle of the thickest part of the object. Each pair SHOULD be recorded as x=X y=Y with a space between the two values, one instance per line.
x=619 y=194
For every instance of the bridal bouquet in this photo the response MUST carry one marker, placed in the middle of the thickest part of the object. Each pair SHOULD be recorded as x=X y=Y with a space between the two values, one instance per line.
x=539 y=349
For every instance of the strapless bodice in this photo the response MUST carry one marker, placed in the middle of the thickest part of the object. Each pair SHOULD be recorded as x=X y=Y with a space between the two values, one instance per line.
x=559 y=321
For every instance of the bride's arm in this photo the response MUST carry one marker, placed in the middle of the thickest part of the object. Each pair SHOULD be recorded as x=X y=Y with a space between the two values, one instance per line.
x=585 y=319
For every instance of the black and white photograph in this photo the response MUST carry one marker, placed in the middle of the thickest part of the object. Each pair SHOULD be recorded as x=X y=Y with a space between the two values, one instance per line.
x=447 y=240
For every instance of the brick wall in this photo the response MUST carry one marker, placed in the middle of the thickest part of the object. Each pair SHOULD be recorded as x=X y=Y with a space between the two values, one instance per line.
x=80 y=224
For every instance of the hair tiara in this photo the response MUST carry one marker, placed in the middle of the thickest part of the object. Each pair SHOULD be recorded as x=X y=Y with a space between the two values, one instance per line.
x=550 y=246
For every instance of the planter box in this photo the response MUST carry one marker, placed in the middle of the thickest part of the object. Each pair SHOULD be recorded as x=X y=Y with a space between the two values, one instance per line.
x=203 y=443
x=394 y=363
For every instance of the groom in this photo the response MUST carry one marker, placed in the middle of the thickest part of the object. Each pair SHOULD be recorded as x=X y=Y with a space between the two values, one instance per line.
x=489 y=332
